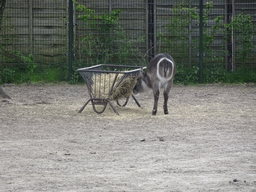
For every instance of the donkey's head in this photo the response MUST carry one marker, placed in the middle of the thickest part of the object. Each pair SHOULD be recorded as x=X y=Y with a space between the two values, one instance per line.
x=143 y=83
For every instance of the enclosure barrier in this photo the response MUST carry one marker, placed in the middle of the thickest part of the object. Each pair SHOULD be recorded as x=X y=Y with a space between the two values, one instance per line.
x=49 y=40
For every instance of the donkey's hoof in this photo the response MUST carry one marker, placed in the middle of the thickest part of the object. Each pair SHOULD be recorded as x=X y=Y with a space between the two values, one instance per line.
x=166 y=112
x=153 y=112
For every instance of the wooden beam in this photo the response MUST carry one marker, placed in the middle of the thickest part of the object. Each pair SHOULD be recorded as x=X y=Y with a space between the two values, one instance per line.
x=30 y=23
x=230 y=42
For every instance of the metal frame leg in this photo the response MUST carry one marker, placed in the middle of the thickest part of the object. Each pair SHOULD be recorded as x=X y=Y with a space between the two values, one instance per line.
x=84 y=106
x=137 y=102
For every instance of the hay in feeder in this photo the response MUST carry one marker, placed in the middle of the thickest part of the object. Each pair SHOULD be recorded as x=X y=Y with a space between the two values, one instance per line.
x=124 y=90
x=103 y=83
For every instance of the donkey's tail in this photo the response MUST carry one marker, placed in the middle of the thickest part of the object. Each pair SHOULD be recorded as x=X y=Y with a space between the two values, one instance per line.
x=166 y=70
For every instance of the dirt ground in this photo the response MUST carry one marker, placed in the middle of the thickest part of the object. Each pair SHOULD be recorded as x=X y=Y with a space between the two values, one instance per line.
x=207 y=142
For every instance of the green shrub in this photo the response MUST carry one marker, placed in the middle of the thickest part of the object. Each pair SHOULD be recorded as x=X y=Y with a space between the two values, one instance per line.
x=187 y=74
x=214 y=74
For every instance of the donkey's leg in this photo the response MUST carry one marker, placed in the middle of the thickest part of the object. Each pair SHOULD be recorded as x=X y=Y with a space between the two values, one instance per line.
x=156 y=97
x=165 y=103
x=166 y=96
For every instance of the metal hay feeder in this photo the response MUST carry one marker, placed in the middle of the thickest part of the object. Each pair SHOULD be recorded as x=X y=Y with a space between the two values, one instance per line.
x=103 y=79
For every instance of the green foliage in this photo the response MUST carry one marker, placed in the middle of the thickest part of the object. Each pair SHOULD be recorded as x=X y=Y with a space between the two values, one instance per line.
x=105 y=40
x=178 y=43
x=98 y=45
x=28 y=61
x=241 y=75
x=5 y=38
x=7 y=75
x=15 y=74
x=187 y=75
x=243 y=27
x=214 y=74
x=208 y=36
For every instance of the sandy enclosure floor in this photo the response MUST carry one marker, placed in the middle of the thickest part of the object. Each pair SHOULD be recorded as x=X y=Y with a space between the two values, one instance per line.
x=206 y=143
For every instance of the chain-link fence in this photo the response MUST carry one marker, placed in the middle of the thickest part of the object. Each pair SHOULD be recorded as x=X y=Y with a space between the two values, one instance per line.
x=48 y=40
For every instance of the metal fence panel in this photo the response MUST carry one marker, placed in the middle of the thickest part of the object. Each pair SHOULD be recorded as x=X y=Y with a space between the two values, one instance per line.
x=34 y=36
x=36 y=27
x=110 y=32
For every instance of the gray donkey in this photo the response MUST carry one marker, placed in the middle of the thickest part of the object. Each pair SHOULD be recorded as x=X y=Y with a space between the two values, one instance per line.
x=160 y=74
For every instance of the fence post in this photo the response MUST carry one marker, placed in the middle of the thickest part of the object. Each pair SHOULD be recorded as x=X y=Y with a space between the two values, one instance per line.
x=70 y=39
x=151 y=29
x=109 y=6
x=230 y=43
x=201 y=48
x=30 y=23
x=190 y=35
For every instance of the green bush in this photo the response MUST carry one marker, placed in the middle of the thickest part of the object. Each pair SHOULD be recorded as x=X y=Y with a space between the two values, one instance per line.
x=187 y=75
x=105 y=40
x=178 y=45
x=40 y=74
x=241 y=75
x=214 y=74
x=7 y=75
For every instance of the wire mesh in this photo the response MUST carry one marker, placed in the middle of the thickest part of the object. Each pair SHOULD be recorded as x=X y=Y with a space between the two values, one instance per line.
x=33 y=40
x=110 y=32
x=34 y=36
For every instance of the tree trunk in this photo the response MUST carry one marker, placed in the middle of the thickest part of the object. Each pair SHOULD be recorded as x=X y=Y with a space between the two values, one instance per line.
x=2 y=6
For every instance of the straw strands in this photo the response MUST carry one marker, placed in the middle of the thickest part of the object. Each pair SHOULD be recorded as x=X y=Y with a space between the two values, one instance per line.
x=103 y=82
